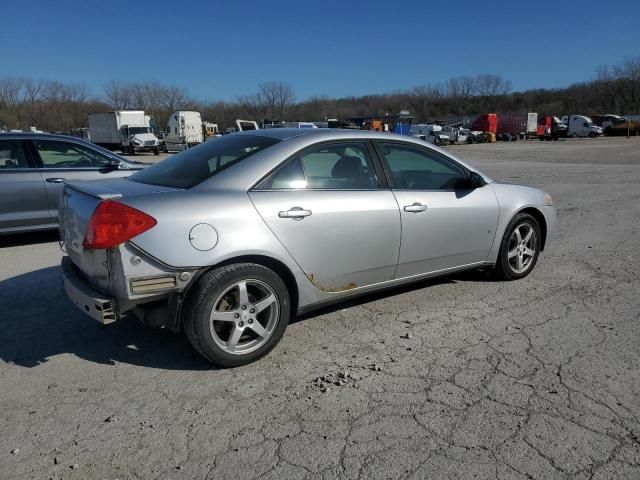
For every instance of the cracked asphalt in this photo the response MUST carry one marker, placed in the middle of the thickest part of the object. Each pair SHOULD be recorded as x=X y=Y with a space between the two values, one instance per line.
x=461 y=377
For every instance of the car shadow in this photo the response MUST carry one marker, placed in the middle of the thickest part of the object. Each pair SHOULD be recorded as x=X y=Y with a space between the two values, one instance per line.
x=29 y=238
x=468 y=276
x=38 y=322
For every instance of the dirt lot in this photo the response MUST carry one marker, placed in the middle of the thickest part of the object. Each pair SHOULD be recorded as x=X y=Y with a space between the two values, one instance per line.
x=538 y=378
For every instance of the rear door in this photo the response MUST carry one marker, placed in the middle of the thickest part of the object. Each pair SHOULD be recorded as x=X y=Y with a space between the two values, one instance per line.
x=64 y=160
x=330 y=208
x=23 y=197
x=445 y=224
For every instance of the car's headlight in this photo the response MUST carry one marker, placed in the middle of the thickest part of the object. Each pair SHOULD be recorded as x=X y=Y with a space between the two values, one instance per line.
x=548 y=201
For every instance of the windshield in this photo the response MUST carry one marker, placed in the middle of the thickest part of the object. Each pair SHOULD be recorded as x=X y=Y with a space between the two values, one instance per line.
x=137 y=130
x=193 y=166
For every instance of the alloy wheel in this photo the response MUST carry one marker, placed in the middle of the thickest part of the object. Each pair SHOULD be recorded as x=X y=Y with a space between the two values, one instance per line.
x=523 y=245
x=244 y=316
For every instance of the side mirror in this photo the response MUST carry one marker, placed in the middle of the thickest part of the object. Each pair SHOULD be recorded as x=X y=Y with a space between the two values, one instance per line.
x=476 y=180
x=114 y=164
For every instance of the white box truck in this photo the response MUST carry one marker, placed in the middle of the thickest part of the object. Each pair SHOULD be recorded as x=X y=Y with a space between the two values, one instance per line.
x=126 y=130
x=185 y=129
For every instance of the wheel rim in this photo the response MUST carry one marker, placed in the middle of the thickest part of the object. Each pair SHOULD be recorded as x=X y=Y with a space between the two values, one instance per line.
x=244 y=317
x=523 y=244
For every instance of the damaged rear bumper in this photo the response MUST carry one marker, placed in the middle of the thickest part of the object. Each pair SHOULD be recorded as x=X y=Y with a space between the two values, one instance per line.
x=86 y=298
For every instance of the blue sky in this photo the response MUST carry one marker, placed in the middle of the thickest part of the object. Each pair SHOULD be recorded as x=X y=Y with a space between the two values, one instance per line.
x=218 y=50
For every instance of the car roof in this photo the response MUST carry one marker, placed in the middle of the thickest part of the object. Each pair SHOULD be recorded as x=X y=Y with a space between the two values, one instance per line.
x=43 y=135
x=67 y=138
x=313 y=134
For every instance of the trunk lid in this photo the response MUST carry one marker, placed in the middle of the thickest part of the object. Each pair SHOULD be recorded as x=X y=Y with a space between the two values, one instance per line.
x=77 y=204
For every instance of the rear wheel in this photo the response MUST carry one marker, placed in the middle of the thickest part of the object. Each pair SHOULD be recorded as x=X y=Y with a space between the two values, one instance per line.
x=520 y=248
x=237 y=314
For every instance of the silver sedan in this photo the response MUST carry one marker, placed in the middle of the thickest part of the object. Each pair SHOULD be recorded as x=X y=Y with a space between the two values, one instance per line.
x=227 y=241
x=33 y=167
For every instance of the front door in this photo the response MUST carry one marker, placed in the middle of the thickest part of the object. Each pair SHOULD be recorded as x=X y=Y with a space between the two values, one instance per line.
x=329 y=211
x=445 y=224
x=62 y=161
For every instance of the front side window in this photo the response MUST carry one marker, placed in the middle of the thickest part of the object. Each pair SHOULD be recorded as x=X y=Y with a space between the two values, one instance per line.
x=12 y=155
x=193 y=166
x=415 y=168
x=59 y=154
x=341 y=166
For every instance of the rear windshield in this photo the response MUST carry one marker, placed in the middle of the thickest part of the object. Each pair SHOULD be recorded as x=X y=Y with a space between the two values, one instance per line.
x=193 y=166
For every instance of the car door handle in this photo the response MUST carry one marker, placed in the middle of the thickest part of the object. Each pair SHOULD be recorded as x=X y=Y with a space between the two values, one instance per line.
x=295 y=212
x=55 y=180
x=415 y=207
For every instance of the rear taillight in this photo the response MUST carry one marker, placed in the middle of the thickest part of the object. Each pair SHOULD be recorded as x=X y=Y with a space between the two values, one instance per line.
x=113 y=223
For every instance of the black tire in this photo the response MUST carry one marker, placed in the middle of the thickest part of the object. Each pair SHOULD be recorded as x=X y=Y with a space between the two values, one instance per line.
x=156 y=151
x=200 y=303
x=132 y=150
x=592 y=135
x=504 y=270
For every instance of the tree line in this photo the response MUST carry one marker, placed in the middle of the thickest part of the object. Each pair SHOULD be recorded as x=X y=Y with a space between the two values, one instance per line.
x=51 y=105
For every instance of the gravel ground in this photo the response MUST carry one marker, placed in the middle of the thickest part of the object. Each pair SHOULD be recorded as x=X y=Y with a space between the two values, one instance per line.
x=462 y=377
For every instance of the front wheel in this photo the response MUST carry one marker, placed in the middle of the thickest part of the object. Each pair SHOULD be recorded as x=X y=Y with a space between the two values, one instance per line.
x=520 y=248
x=237 y=314
x=156 y=151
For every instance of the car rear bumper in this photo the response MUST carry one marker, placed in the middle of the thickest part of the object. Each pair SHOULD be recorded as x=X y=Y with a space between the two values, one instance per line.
x=85 y=297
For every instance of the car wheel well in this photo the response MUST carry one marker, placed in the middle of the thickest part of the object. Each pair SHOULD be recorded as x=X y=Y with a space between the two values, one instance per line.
x=276 y=265
x=538 y=215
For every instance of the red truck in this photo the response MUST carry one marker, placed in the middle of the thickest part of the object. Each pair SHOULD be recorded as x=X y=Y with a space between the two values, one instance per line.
x=486 y=123
x=550 y=128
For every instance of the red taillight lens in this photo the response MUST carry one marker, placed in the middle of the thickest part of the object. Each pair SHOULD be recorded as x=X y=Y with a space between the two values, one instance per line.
x=113 y=223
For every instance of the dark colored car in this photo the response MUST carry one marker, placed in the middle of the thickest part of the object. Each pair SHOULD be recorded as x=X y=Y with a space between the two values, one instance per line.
x=33 y=168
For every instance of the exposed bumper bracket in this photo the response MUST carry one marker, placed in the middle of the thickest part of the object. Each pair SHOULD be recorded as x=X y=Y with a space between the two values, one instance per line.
x=90 y=301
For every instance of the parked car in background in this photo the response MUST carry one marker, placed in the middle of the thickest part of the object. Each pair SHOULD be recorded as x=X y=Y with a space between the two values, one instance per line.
x=230 y=239
x=33 y=167
x=429 y=133
x=451 y=133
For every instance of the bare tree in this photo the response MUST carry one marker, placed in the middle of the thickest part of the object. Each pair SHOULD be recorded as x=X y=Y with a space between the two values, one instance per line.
x=490 y=86
x=174 y=98
x=10 y=88
x=32 y=90
x=277 y=96
x=627 y=80
x=118 y=95
x=253 y=106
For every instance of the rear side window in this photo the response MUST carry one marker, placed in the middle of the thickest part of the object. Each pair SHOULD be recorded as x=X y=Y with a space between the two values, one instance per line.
x=12 y=155
x=340 y=166
x=193 y=166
